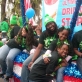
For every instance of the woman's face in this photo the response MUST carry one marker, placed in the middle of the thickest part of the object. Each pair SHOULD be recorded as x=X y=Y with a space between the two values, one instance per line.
x=63 y=35
x=24 y=33
x=63 y=51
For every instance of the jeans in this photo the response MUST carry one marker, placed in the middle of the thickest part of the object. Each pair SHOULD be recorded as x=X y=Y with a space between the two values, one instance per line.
x=37 y=81
x=25 y=71
x=32 y=81
x=79 y=64
x=40 y=81
x=60 y=74
x=7 y=56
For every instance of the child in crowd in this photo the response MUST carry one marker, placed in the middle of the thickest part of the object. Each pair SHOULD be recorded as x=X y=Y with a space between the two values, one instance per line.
x=63 y=34
x=41 y=71
x=47 y=36
x=77 y=45
x=24 y=40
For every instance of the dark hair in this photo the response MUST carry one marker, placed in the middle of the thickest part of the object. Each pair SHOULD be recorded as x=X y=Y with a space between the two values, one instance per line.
x=63 y=28
x=19 y=35
x=29 y=37
x=56 y=27
x=61 y=44
x=20 y=31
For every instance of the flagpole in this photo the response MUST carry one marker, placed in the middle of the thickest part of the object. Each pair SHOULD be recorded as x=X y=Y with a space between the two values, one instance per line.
x=43 y=14
x=23 y=12
x=74 y=17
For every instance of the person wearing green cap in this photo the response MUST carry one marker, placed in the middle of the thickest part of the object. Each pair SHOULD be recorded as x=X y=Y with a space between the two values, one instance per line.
x=4 y=26
x=15 y=28
x=45 y=39
x=20 y=22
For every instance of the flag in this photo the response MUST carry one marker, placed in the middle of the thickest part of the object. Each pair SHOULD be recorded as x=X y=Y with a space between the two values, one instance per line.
x=27 y=4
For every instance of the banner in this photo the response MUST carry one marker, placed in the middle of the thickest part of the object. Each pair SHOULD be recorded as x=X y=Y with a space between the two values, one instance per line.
x=62 y=12
x=49 y=7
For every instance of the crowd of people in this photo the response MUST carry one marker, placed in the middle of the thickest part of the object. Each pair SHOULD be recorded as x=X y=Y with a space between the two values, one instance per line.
x=53 y=50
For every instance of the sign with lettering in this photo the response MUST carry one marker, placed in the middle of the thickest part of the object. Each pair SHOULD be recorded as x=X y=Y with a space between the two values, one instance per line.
x=62 y=11
x=65 y=11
